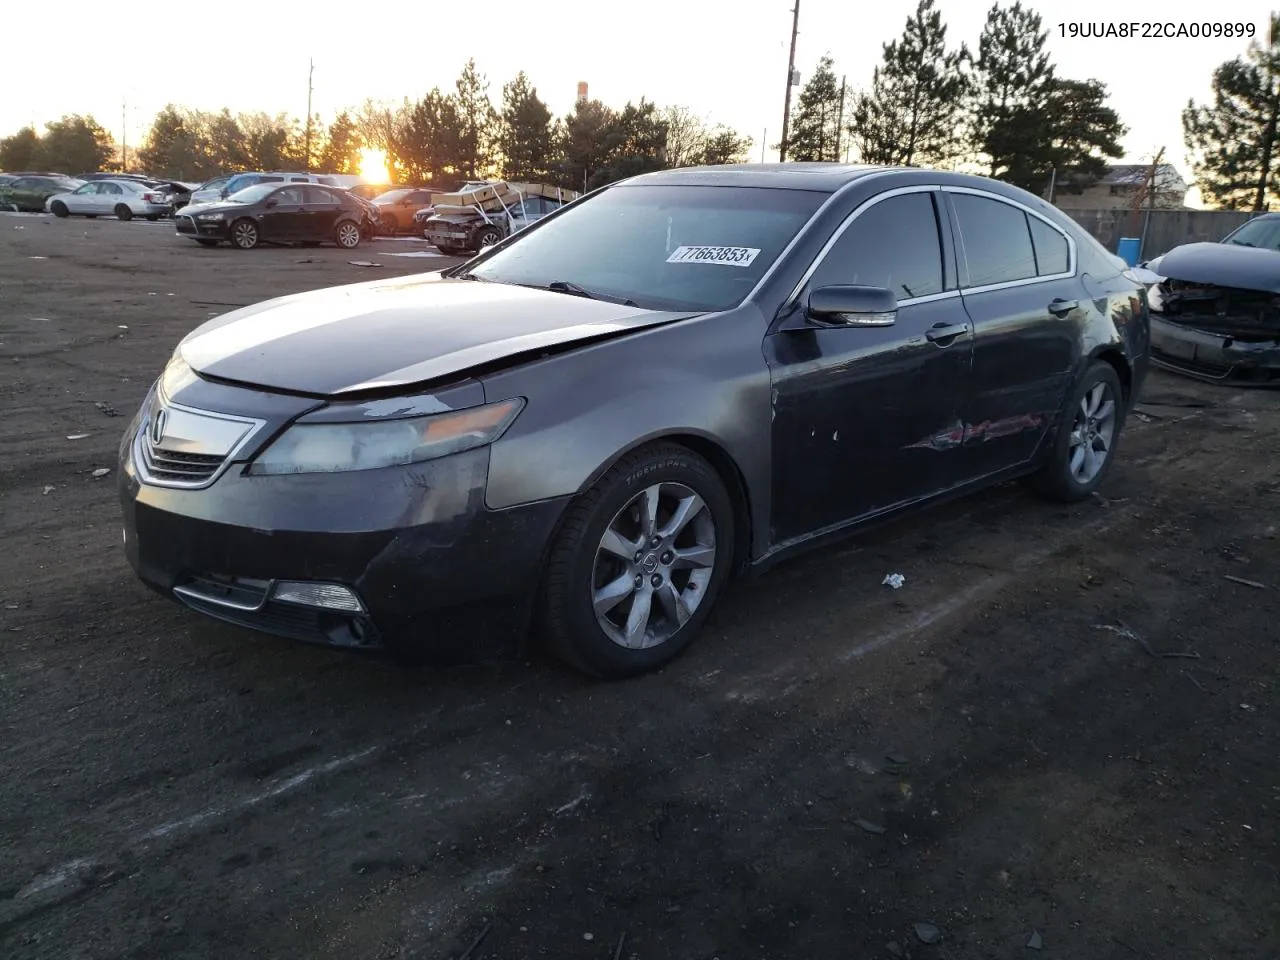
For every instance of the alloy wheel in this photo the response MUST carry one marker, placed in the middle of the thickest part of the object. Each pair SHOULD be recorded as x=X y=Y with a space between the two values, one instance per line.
x=348 y=235
x=245 y=235
x=653 y=565
x=1093 y=433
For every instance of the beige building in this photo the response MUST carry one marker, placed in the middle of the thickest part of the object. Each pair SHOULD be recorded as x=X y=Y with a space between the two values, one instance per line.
x=1123 y=185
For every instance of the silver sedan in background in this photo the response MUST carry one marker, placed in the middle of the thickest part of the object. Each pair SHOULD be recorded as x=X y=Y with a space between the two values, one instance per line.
x=122 y=199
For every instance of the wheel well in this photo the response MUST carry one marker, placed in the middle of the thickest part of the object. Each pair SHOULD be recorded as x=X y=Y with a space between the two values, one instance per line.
x=1121 y=367
x=734 y=482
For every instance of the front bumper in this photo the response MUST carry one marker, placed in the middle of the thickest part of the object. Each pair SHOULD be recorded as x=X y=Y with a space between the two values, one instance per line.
x=189 y=226
x=436 y=573
x=1213 y=357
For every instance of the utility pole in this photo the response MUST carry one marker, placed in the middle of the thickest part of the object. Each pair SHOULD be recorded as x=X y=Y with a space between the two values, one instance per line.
x=791 y=74
x=311 y=66
x=763 y=141
x=840 y=121
x=124 y=136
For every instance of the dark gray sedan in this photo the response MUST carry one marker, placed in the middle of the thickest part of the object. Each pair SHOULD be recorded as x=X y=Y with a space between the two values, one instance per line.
x=581 y=434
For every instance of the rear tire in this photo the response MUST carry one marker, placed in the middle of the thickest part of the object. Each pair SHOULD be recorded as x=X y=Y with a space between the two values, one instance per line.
x=347 y=235
x=244 y=234
x=1085 y=446
x=59 y=209
x=123 y=212
x=638 y=563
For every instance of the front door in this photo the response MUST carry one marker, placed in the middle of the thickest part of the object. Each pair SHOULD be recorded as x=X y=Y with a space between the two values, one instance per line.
x=863 y=415
x=1018 y=283
x=83 y=199
x=285 y=219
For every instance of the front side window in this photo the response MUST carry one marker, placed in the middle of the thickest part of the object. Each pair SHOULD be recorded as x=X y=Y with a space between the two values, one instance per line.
x=995 y=240
x=289 y=195
x=662 y=246
x=87 y=189
x=894 y=244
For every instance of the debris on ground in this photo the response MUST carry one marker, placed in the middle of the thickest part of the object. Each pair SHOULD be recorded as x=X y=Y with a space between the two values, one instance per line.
x=1248 y=583
x=895 y=580
x=928 y=933
x=48 y=489
x=306 y=260
x=894 y=948
x=869 y=827
x=1035 y=942
x=105 y=409
x=101 y=472
x=77 y=436
x=363 y=263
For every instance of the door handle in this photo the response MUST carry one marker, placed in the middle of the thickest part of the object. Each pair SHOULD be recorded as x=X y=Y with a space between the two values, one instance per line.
x=1060 y=308
x=945 y=331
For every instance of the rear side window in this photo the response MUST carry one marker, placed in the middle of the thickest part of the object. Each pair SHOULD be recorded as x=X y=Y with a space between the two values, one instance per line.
x=1052 y=255
x=995 y=240
x=892 y=244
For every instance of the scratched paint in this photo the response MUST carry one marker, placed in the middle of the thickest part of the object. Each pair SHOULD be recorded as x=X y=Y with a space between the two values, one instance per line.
x=961 y=432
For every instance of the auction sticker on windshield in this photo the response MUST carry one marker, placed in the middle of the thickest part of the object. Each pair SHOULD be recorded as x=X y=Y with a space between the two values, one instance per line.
x=724 y=256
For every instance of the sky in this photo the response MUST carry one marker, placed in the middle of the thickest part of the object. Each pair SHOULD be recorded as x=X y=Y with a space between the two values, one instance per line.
x=724 y=59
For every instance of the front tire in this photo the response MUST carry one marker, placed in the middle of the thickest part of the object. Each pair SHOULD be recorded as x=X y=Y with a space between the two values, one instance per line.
x=244 y=234
x=59 y=209
x=123 y=212
x=485 y=237
x=390 y=224
x=1086 y=442
x=637 y=563
x=347 y=235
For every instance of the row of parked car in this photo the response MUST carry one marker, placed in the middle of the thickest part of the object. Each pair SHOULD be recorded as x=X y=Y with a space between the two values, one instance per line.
x=249 y=208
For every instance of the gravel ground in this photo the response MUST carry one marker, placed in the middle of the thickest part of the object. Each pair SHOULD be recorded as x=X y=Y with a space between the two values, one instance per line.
x=1061 y=732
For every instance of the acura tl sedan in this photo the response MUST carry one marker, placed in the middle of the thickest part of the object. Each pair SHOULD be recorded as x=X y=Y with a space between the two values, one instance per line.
x=578 y=436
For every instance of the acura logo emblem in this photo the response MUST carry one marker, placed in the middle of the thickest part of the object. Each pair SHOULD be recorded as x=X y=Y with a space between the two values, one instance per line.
x=157 y=425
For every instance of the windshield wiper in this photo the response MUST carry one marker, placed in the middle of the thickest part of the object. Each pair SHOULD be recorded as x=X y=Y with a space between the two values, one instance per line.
x=1242 y=243
x=564 y=286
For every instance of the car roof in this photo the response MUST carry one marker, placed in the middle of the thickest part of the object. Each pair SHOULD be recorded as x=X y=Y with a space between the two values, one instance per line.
x=824 y=177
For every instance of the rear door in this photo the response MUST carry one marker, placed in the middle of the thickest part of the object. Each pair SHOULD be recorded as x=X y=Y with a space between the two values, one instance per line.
x=1019 y=286
x=110 y=196
x=322 y=209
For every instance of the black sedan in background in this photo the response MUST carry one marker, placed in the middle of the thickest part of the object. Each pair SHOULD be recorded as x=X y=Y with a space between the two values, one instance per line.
x=589 y=427
x=278 y=213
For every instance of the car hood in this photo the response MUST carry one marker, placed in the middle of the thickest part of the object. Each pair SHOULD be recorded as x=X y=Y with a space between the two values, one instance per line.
x=1222 y=265
x=396 y=333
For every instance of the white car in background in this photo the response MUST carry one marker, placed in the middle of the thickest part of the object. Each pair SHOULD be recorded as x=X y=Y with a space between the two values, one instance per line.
x=122 y=199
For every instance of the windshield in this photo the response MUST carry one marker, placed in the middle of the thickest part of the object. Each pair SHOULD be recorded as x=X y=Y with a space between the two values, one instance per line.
x=391 y=196
x=213 y=184
x=252 y=194
x=665 y=247
x=1263 y=232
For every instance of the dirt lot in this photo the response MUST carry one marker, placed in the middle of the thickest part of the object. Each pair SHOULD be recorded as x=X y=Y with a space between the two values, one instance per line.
x=986 y=750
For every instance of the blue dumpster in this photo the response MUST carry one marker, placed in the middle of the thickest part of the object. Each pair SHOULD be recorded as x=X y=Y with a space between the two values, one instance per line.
x=1128 y=249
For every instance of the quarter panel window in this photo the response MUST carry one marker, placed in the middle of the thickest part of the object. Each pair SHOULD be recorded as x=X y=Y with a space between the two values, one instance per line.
x=1052 y=255
x=893 y=244
x=996 y=242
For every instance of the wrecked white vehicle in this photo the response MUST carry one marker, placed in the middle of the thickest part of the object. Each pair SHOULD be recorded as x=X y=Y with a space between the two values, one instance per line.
x=1215 y=308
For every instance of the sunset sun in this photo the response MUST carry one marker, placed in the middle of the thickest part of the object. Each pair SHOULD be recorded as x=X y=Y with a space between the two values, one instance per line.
x=373 y=165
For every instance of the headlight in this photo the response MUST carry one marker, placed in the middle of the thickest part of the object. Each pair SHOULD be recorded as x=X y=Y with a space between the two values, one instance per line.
x=341 y=447
x=211 y=216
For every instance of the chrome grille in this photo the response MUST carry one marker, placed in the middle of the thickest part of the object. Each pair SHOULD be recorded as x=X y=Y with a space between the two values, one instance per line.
x=189 y=467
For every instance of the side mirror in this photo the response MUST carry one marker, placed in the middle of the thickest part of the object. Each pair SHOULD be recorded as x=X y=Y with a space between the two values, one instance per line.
x=852 y=306
x=272 y=202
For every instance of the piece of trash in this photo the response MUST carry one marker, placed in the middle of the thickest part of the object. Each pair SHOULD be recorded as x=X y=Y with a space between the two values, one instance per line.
x=416 y=254
x=46 y=491
x=928 y=933
x=106 y=409
x=35 y=258
x=870 y=827
x=170 y=294
x=1247 y=707
x=1035 y=942
x=307 y=260
x=895 y=580
x=1248 y=583
x=363 y=263
x=588 y=936
x=150 y=294
x=898 y=758
x=122 y=326
x=77 y=436
x=101 y=472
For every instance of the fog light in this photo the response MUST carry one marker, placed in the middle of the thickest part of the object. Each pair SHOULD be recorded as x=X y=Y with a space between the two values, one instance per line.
x=327 y=595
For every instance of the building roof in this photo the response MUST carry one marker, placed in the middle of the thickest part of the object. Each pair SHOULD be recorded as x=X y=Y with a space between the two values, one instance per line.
x=1136 y=174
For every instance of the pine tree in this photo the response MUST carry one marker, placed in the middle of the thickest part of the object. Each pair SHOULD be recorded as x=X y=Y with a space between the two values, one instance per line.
x=478 y=122
x=525 y=132
x=912 y=114
x=172 y=147
x=1235 y=140
x=815 y=126
x=427 y=141
x=341 y=151
x=584 y=143
x=1010 y=78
